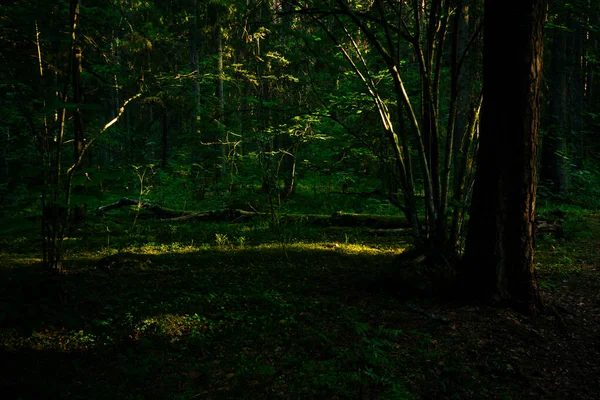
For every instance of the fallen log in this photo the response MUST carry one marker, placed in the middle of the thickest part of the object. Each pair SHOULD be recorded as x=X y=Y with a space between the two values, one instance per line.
x=379 y=222
x=123 y=201
x=380 y=225
x=158 y=211
x=168 y=215
x=554 y=227
x=390 y=232
x=227 y=214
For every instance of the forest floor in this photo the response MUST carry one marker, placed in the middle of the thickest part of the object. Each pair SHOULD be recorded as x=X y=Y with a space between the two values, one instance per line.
x=225 y=311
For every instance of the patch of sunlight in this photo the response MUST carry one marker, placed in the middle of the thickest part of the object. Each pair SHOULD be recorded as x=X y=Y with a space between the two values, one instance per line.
x=161 y=325
x=63 y=340
x=333 y=247
x=365 y=249
x=172 y=324
x=12 y=260
x=86 y=255
x=157 y=249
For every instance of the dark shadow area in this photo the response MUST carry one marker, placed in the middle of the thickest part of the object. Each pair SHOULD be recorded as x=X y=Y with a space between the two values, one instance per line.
x=31 y=299
x=252 y=323
x=128 y=308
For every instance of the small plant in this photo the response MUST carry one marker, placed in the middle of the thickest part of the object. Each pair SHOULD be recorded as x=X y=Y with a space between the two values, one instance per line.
x=241 y=241
x=144 y=186
x=221 y=239
x=346 y=238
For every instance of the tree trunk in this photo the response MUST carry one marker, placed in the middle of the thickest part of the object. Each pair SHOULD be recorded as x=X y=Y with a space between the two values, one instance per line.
x=592 y=92
x=79 y=138
x=193 y=50
x=498 y=262
x=554 y=147
x=165 y=139
x=463 y=84
x=5 y=159
x=222 y=136
x=576 y=91
x=287 y=143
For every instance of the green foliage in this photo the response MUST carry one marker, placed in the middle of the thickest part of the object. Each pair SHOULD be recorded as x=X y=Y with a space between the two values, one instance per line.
x=585 y=186
x=222 y=304
x=221 y=239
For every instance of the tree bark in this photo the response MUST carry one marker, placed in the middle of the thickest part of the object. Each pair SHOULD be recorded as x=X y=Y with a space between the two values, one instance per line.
x=498 y=262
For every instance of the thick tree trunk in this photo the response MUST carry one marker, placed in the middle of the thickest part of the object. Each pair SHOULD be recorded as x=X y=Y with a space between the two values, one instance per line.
x=498 y=261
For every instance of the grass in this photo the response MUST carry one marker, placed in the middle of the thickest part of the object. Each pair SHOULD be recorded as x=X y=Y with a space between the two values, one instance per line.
x=220 y=311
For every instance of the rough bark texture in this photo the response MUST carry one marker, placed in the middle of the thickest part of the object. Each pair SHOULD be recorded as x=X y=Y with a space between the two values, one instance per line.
x=499 y=252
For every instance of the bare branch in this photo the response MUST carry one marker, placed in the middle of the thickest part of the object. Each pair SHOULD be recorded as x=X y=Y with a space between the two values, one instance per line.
x=108 y=125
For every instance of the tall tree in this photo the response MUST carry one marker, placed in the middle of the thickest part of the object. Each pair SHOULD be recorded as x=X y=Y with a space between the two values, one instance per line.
x=554 y=157
x=499 y=251
x=425 y=144
x=77 y=83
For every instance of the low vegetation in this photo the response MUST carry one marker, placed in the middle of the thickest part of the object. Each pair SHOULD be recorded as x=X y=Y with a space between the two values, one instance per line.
x=221 y=310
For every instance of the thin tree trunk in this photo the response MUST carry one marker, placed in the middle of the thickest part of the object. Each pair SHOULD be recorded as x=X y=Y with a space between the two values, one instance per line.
x=467 y=116
x=554 y=146
x=5 y=152
x=193 y=56
x=576 y=91
x=592 y=82
x=78 y=129
x=222 y=158
x=165 y=140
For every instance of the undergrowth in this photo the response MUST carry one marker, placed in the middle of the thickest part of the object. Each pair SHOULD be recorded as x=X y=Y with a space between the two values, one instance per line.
x=217 y=311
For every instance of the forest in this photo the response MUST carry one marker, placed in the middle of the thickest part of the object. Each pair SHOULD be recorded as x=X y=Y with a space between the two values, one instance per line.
x=300 y=199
